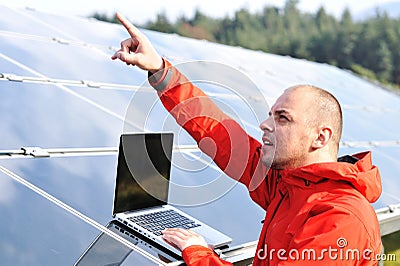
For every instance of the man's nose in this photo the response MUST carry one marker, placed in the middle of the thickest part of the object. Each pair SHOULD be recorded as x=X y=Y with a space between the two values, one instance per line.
x=267 y=125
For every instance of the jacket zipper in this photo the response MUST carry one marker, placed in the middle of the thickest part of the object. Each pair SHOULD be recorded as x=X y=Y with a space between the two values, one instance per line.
x=277 y=206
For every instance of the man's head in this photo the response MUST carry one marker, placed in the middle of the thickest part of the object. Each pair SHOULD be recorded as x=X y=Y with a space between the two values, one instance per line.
x=304 y=127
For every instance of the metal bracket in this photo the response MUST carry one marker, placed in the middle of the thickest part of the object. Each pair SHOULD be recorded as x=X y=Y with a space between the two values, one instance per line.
x=61 y=41
x=12 y=77
x=91 y=84
x=35 y=152
x=392 y=207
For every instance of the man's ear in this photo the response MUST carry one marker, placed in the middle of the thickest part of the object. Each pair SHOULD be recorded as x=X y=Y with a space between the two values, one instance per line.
x=323 y=136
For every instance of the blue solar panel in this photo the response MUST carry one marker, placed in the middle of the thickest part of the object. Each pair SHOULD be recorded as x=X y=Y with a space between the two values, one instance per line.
x=65 y=92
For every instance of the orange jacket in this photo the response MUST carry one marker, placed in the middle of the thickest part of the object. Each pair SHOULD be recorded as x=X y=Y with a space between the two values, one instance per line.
x=318 y=214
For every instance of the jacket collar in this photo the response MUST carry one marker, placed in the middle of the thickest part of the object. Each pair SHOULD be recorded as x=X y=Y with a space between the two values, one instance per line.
x=362 y=175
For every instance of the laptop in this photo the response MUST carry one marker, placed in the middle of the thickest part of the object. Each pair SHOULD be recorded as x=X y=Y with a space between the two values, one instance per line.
x=141 y=191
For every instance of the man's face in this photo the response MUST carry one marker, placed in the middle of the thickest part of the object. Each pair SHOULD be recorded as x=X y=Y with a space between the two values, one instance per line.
x=287 y=132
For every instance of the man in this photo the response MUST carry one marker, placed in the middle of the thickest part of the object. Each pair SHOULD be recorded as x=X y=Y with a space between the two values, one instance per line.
x=317 y=207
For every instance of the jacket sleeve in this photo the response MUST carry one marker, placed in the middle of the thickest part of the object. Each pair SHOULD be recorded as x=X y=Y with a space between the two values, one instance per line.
x=331 y=235
x=217 y=134
x=201 y=256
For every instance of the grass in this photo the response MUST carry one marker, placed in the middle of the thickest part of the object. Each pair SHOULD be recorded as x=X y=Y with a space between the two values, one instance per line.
x=392 y=246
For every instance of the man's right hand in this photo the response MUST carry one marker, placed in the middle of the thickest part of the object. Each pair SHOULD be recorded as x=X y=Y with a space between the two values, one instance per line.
x=137 y=50
x=183 y=238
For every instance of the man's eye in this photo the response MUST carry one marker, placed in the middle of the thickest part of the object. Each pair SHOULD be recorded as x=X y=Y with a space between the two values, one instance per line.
x=282 y=117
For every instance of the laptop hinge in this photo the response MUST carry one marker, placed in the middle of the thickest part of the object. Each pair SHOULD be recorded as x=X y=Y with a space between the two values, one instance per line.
x=145 y=209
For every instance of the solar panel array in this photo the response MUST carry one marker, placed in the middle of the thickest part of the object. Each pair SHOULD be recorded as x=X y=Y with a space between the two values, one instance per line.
x=66 y=104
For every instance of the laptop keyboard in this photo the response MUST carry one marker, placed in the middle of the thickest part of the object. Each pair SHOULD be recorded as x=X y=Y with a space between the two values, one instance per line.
x=158 y=221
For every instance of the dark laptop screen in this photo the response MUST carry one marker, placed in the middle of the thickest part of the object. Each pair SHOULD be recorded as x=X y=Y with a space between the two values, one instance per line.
x=143 y=171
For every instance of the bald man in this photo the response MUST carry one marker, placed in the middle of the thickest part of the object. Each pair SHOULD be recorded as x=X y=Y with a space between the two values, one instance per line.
x=317 y=206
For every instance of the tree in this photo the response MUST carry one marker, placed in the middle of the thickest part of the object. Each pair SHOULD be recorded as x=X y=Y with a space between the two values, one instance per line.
x=323 y=46
x=161 y=24
x=345 y=41
x=272 y=25
x=384 y=65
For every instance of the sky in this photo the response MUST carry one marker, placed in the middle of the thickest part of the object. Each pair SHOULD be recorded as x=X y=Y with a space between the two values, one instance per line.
x=143 y=11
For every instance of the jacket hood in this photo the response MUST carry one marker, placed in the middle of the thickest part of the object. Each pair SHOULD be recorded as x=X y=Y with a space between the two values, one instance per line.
x=363 y=175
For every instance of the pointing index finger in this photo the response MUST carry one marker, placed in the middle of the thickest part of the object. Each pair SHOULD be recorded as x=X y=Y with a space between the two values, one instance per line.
x=133 y=31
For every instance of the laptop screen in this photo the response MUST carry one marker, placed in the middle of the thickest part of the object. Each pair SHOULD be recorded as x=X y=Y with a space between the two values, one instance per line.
x=143 y=171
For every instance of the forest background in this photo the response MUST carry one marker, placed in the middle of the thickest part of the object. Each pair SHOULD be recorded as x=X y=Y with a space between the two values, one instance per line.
x=370 y=47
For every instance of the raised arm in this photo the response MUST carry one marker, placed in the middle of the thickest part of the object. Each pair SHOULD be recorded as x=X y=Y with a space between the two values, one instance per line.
x=217 y=134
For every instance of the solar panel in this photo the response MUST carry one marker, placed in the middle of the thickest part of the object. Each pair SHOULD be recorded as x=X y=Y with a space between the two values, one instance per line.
x=61 y=91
